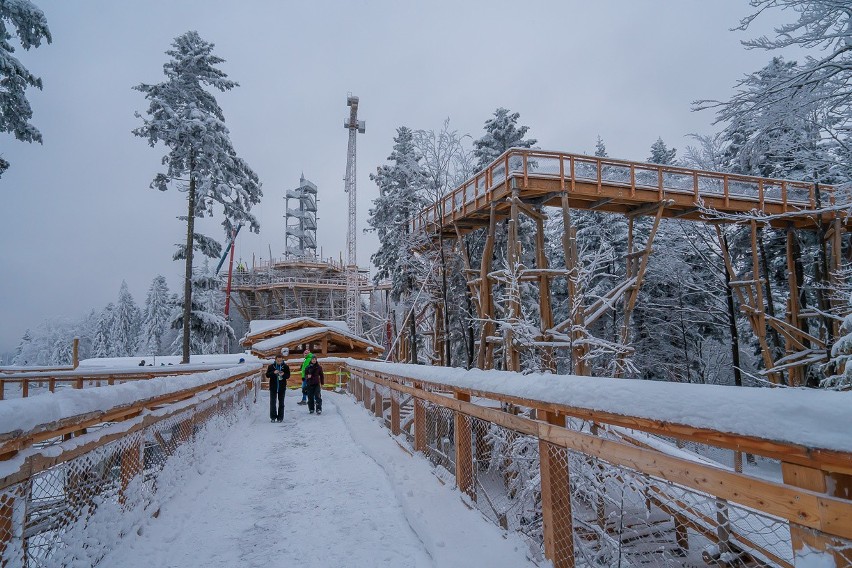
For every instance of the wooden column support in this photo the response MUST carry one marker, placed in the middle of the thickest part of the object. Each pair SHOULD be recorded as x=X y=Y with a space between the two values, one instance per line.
x=556 y=500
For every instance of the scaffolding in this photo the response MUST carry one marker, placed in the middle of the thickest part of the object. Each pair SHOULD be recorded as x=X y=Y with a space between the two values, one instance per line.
x=300 y=221
x=294 y=287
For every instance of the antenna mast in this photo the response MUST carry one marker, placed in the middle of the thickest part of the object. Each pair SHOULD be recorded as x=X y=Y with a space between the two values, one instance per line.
x=353 y=296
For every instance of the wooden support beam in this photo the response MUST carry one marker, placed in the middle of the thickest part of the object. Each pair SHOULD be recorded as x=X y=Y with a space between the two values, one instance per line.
x=685 y=212
x=486 y=301
x=600 y=202
x=639 y=273
x=513 y=254
x=557 y=520
x=760 y=319
x=577 y=312
x=649 y=208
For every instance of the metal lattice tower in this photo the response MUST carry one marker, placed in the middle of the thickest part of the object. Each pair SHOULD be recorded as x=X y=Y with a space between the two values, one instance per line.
x=301 y=222
x=353 y=297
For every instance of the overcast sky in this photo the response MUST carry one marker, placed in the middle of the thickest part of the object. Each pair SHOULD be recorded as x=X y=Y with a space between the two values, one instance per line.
x=79 y=216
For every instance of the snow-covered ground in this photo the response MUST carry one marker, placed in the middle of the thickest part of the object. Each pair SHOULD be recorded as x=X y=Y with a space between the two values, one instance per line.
x=315 y=491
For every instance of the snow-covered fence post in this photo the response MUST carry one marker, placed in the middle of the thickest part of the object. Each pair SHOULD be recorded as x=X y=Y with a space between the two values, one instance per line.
x=807 y=542
x=556 y=501
x=395 y=414
x=464 y=450
x=419 y=422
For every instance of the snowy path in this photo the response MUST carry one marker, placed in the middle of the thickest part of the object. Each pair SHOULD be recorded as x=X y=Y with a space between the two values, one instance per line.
x=316 y=491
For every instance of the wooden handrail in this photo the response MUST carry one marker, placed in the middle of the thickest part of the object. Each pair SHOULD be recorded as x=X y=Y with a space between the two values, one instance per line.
x=819 y=458
x=15 y=441
x=809 y=506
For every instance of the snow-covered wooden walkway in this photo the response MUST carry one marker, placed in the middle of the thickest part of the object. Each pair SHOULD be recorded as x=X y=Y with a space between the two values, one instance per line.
x=324 y=491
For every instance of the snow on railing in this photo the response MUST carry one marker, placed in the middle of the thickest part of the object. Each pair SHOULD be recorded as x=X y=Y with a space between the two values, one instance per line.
x=80 y=469
x=594 y=471
x=572 y=169
x=38 y=381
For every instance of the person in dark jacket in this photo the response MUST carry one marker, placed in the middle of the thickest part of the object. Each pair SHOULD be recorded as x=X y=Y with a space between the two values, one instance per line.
x=314 y=379
x=277 y=373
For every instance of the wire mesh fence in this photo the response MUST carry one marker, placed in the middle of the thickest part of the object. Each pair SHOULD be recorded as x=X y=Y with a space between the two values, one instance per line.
x=577 y=509
x=72 y=511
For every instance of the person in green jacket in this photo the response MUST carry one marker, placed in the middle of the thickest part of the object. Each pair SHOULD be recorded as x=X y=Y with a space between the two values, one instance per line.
x=307 y=361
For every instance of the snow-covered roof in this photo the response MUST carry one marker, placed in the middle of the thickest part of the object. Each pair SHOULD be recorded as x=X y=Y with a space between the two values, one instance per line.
x=299 y=335
x=260 y=326
x=808 y=417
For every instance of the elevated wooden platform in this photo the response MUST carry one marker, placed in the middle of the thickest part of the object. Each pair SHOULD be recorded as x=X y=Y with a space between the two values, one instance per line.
x=620 y=186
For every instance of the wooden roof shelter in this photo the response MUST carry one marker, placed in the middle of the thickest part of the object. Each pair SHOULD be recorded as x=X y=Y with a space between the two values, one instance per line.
x=322 y=338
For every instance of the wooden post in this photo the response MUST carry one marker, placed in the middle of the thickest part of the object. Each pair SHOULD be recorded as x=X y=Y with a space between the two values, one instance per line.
x=544 y=306
x=131 y=465
x=378 y=404
x=2 y=389
x=760 y=319
x=464 y=450
x=486 y=302
x=7 y=524
x=75 y=352
x=556 y=502
x=394 y=425
x=577 y=312
x=419 y=423
x=807 y=541
x=510 y=352
x=794 y=373
x=25 y=388
x=639 y=273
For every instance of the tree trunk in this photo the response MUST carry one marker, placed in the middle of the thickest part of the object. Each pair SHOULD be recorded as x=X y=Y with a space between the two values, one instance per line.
x=412 y=339
x=470 y=331
x=822 y=273
x=732 y=324
x=187 y=285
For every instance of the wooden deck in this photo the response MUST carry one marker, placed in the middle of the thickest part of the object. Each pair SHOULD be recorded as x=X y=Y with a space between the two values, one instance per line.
x=619 y=186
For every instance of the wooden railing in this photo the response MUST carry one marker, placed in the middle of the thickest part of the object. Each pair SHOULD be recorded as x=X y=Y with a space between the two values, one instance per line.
x=572 y=169
x=62 y=472
x=80 y=378
x=602 y=477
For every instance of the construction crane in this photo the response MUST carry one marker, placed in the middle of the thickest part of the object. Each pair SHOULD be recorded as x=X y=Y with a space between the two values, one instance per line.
x=353 y=295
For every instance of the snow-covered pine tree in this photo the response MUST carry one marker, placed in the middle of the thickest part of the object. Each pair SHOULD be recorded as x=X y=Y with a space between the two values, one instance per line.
x=501 y=133
x=401 y=187
x=208 y=328
x=662 y=154
x=23 y=349
x=600 y=148
x=125 y=324
x=30 y=25
x=186 y=118
x=102 y=345
x=155 y=317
